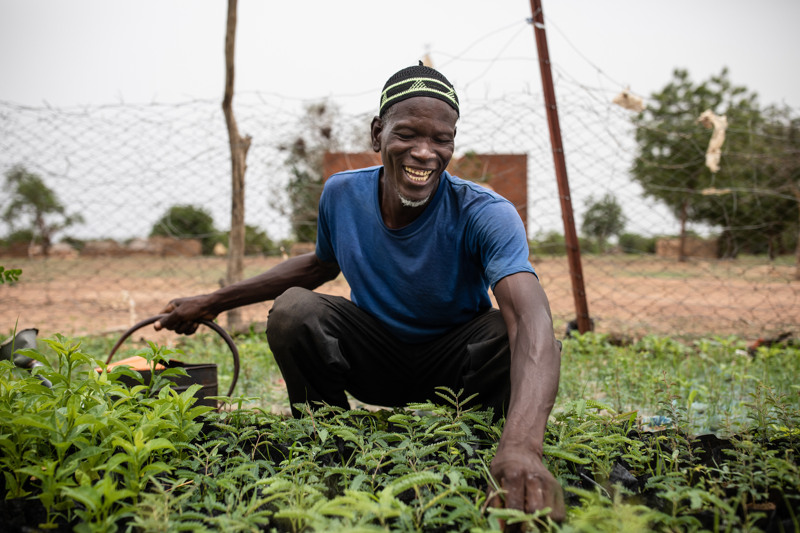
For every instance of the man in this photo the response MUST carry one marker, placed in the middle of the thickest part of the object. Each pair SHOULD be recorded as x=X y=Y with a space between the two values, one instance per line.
x=419 y=249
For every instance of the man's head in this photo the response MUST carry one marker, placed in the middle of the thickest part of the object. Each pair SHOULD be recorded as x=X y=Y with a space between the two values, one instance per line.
x=415 y=135
x=417 y=80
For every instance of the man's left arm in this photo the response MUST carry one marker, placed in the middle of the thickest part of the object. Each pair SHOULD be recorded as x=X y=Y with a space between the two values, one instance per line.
x=535 y=371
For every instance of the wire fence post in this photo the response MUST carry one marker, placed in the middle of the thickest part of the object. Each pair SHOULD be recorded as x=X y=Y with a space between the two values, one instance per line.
x=570 y=235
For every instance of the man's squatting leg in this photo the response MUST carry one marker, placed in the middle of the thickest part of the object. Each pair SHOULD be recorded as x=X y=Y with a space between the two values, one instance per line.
x=325 y=345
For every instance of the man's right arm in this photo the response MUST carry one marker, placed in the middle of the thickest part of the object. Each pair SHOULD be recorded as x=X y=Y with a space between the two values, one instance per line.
x=305 y=271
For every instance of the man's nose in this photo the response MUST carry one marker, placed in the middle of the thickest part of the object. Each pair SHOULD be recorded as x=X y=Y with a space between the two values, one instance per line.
x=423 y=150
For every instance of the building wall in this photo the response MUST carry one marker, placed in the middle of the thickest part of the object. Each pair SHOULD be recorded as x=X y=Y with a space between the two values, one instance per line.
x=701 y=248
x=506 y=174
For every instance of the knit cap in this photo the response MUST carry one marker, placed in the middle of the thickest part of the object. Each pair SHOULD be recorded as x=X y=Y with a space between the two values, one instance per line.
x=417 y=80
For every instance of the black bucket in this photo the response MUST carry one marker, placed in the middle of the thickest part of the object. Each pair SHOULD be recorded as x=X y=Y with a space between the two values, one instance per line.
x=203 y=374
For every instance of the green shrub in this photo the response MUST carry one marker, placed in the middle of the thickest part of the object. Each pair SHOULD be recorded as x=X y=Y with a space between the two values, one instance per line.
x=10 y=275
x=632 y=243
x=554 y=244
x=551 y=243
x=188 y=222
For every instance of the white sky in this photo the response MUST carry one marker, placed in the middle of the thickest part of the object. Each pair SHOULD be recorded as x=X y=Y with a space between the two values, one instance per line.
x=86 y=52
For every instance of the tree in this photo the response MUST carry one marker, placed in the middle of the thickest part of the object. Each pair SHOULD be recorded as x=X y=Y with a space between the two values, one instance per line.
x=670 y=164
x=781 y=159
x=603 y=219
x=35 y=207
x=751 y=199
x=305 y=161
x=239 y=147
x=320 y=130
x=188 y=222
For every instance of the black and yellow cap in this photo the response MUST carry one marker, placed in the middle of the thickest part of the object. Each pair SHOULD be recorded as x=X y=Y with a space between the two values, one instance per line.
x=418 y=80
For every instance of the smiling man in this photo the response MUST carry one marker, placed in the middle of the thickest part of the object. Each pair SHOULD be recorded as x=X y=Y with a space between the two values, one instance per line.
x=420 y=250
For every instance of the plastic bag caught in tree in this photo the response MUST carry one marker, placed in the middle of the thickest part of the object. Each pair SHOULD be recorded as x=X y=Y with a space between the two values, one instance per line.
x=720 y=123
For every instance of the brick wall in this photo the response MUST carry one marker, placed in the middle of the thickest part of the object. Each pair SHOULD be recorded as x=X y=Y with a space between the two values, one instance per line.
x=506 y=174
x=702 y=248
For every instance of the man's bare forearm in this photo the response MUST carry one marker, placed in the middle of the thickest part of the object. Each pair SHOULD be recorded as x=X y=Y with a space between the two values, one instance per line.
x=183 y=314
x=300 y=271
x=535 y=364
x=535 y=373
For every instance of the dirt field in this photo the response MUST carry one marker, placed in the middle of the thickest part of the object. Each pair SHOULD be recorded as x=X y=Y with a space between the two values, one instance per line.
x=626 y=295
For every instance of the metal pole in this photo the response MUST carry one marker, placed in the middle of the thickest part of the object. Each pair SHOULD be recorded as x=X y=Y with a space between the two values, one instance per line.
x=570 y=235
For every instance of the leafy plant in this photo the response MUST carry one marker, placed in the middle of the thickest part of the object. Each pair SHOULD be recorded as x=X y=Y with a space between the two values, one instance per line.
x=96 y=455
x=10 y=275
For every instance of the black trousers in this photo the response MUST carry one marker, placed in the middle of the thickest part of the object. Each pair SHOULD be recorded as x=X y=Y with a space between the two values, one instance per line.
x=325 y=345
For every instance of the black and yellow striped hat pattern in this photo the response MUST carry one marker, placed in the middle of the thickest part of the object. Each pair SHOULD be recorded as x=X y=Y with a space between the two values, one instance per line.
x=418 y=80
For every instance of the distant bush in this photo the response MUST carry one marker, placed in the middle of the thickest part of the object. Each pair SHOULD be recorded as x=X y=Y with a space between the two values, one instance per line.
x=26 y=235
x=77 y=244
x=631 y=243
x=554 y=244
x=188 y=222
x=590 y=246
x=257 y=242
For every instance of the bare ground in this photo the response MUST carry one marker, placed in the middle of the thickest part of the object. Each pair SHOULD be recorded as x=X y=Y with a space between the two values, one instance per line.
x=626 y=295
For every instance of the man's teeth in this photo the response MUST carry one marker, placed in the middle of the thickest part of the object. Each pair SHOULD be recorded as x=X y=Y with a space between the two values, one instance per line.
x=417 y=175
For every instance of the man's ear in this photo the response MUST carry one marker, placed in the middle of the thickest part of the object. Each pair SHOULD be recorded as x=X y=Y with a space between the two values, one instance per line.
x=375 y=133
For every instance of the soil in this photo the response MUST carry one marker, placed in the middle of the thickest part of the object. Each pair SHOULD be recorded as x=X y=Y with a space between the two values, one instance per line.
x=627 y=296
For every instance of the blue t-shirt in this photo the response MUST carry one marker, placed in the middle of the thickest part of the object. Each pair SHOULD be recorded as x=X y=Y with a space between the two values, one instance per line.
x=430 y=276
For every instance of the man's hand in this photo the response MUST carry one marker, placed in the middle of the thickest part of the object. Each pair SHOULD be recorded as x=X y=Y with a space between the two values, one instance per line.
x=527 y=483
x=184 y=314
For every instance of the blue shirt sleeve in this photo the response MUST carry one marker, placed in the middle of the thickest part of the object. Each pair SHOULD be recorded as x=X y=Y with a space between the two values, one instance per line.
x=499 y=239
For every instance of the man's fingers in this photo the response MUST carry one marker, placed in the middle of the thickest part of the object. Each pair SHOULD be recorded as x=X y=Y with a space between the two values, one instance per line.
x=540 y=494
x=187 y=328
x=161 y=324
x=559 y=510
x=167 y=322
x=171 y=323
x=514 y=488
x=529 y=494
x=534 y=494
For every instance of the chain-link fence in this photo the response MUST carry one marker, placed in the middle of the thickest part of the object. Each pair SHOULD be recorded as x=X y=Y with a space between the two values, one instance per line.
x=122 y=166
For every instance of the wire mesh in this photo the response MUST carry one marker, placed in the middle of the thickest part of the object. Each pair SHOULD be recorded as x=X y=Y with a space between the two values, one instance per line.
x=122 y=166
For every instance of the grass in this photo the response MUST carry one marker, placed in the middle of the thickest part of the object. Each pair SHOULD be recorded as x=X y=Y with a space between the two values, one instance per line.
x=657 y=435
x=710 y=380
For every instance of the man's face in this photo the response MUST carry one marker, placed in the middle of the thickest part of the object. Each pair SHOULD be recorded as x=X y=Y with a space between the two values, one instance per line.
x=416 y=139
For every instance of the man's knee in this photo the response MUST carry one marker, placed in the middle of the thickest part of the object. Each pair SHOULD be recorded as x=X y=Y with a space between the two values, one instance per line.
x=289 y=311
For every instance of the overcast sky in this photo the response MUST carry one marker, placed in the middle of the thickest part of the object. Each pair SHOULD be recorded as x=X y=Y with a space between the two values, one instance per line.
x=87 y=52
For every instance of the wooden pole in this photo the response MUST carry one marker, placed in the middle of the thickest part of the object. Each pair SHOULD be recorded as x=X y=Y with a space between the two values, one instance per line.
x=796 y=192
x=570 y=235
x=239 y=146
